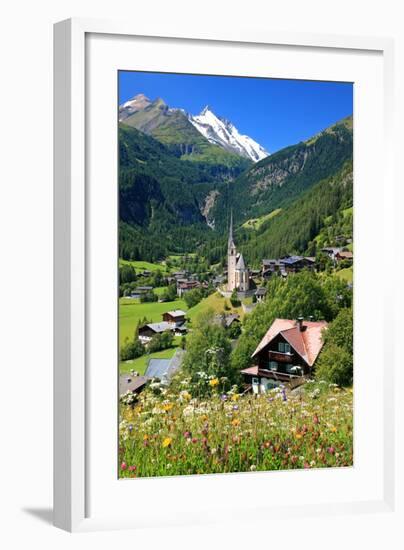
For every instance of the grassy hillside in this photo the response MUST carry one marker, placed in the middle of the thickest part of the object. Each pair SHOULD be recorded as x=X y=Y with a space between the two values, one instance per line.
x=345 y=274
x=141 y=266
x=299 y=223
x=256 y=223
x=216 y=302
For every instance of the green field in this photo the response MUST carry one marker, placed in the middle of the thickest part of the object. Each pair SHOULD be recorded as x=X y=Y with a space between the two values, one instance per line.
x=346 y=274
x=140 y=266
x=255 y=223
x=130 y=311
x=141 y=363
x=216 y=302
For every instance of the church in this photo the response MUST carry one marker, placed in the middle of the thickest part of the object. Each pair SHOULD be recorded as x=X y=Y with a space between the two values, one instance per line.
x=237 y=272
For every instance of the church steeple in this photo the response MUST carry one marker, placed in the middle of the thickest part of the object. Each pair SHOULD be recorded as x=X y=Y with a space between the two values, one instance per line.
x=231 y=230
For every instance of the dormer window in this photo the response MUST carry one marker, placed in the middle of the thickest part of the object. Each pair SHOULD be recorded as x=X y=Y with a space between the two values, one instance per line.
x=283 y=347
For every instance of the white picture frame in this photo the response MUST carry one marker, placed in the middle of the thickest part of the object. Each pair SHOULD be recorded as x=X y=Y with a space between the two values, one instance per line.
x=75 y=401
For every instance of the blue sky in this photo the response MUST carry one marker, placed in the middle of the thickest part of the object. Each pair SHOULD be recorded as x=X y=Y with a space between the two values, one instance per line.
x=274 y=112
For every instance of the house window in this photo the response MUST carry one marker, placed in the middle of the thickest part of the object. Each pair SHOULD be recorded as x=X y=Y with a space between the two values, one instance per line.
x=283 y=347
x=273 y=365
x=255 y=381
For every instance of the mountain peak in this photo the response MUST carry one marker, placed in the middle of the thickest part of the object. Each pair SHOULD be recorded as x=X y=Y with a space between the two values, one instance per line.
x=138 y=102
x=205 y=110
x=222 y=132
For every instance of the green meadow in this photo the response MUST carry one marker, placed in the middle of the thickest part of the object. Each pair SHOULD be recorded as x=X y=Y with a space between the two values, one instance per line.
x=255 y=223
x=140 y=266
x=216 y=302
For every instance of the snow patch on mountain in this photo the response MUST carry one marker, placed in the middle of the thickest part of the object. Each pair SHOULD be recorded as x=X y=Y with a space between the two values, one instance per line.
x=221 y=132
x=137 y=103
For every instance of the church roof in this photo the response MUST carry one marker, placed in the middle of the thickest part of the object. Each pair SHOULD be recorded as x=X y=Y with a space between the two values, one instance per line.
x=240 y=262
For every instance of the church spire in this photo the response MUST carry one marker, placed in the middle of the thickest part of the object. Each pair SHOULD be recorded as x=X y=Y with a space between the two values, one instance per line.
x=231 y=228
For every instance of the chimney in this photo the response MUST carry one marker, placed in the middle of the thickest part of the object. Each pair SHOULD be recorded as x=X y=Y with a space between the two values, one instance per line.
x=300 y=323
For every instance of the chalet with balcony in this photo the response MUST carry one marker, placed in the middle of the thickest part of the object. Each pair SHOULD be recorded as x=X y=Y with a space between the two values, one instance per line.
x=286 y=355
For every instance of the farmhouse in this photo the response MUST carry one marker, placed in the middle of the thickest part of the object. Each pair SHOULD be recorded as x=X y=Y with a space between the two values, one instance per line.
x=173 y=321
x=176 y=317
x=131 y=384
x=146 y=332
x=286 y=354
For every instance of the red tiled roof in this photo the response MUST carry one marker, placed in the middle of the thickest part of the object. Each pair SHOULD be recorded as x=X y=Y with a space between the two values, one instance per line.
x=307 y=342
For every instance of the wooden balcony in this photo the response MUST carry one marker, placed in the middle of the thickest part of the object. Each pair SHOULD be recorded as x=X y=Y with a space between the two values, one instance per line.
x=281 y=357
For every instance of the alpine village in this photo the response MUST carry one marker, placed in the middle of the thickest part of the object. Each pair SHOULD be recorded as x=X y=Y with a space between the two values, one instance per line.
x=235 y=296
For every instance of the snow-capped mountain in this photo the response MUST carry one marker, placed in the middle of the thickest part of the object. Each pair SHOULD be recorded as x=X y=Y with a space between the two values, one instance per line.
x=137 y=103
x=223 y=133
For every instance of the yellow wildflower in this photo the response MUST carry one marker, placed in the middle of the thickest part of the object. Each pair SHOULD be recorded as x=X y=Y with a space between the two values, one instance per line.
x=167 y=407
x=145 y=437
x=298 y=435
x=214 y=382
x=235 y=422
x=167 y=442
x=235 y=397
x=333 y=429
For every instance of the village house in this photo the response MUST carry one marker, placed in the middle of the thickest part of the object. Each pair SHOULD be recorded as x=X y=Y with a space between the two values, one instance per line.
x=173 y=321
x=162 y=369
x=260 y=294
x=131 y=383
x=331 y=252
x=344 y=255
x=146 y=332
x=286 y=354
x=287 y=264
x=140 y=291
x=227 y=320
x=175 y=317
x=293 y=264
x=185 y=285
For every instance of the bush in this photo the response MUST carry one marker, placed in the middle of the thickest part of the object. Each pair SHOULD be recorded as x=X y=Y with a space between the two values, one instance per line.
x=160 y=341
x=207 y=361
x=127 y=274
x=335 y=363
x=131 y=349
x=235 y=302
x=170 y=294
x=193 y=297
x=148 y=297
x=234 y=330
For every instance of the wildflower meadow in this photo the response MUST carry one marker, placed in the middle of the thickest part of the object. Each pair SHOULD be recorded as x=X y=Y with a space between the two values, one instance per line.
x=167 y=433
